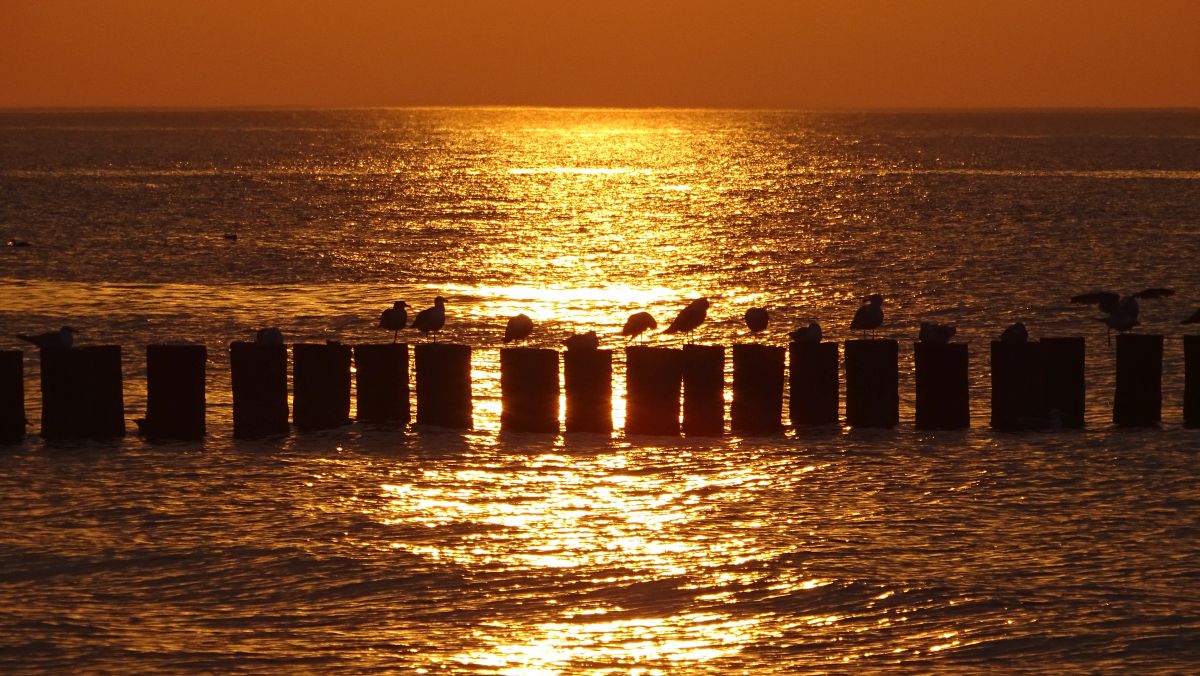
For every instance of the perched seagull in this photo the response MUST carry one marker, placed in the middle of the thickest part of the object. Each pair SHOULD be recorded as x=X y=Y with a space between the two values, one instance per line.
x=936 y=333
x=756 y=319
x=1194 y=319
x=1122 y=311
x=518 y=328
x=1017 y=333
x=13 y=241
x=807 y=334
x=431 y=318
x=870 y=315
x=689 y=317
x=61 y=338
x=269 y=336
x=583 y=341
x=637 y=324
x=394 y=319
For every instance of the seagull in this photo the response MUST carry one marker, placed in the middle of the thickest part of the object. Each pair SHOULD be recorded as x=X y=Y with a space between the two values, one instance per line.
x=870 y=315
x=807 y=334
x=61 y=338
x=1194 y=319
x=271 y=335
x=756 y=319
x=936 y=333
x=637 y=324
x=394 y=318
x=1122 y=311
x=431 y=318
x=1017 y=333
x=518 y=328
x=583 y=341
x=14 y=242
x=689 y=317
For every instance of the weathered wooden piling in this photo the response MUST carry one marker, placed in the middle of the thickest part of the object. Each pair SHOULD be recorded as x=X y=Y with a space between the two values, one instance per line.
x=12 y=396
x=260 y=402
x=1018 y=386
x=652 y=381
x=529 y=389
x=757 y=406
x=1063 y=377
x=381 y=382
x=872 y=383
x=813 y=370
x=444 y=385
x=587 y=377
x=703 y=390
x=175 y=399
x=943 y=398
x=1138 y=399
x=1191 y=381
x=320 y=385
x=81 y=393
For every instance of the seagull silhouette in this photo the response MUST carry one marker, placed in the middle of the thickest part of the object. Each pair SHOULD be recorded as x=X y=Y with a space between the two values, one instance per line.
x=689 y=318
x=1017 y=333
x=757 y=319
x=518 y=328
x=431 y=319
x=1121 y=311
x=61 y=338
x=637 y=324
x=936 y=333
x=807 y=334
x=394 y=319
x=869 y=316
x=1194 y=319
x=583 y=341
x=270 y=335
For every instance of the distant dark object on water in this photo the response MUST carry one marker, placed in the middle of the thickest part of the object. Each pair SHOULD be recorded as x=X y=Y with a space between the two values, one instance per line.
x=757 y=319
x=936 y=333
x=518 y=328
x=1017 y=333
x=690 y=317
x=61 y=338
x=637 y=324
x=869 y=316
x=232 y=236
x=807 y=334
x=14 y=242
x=394 y=319
x=1194 y=319
x=583 y=341
x=431 y=318
x=270 y=335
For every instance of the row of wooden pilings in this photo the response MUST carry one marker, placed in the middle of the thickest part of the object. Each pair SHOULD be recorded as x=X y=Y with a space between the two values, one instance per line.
x=1034 y=385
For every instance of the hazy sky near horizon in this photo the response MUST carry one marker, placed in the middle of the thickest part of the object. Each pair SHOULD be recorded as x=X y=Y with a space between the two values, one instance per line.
x=807 y=54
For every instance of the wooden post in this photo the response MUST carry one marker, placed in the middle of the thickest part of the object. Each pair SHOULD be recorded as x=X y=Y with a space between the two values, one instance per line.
x=321 y=385
x=652 y=380
x=529 y=390
x=1018 y=386
x=1138 y=400
x=1063 y=374
x=175 y=401
x=81 y=393
x=587 y=376
x=381 y=378
x=1191 y=381
x=259 y=378
x=757 y=406
x=943 y=398
x=704 y=390
x=814 y=383
x=872 y=383
x=444 y=385
x=12 y=396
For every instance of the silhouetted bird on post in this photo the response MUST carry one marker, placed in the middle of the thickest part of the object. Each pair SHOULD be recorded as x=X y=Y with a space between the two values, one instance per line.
x=431 y=319
x=936 y=333
x=270 y=335
x=1194 y=319
x=1121 y=311
x=394 y=319
x=62 y=338
x=807 y=334
x=757 y=319
x=1017 y=333
x=583 y=341
x=869 y=316
x=689 y=318
x=518 y=328
x=637 y=324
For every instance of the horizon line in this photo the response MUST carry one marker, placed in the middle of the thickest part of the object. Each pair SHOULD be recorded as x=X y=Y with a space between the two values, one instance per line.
x=765 y=109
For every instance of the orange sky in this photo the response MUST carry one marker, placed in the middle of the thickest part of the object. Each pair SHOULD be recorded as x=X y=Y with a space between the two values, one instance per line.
x=740 y=53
